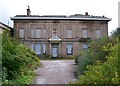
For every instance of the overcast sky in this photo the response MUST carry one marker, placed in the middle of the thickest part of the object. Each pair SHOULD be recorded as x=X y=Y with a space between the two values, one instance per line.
x=109 y=8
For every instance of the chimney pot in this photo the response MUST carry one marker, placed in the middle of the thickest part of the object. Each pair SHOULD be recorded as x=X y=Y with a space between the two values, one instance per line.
x=86 y=13
x=28 y=11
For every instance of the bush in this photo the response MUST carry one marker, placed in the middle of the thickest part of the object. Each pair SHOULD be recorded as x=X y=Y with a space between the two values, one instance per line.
x=105 y=69
x=103 y=72
x=92 y=54
x=17 y=61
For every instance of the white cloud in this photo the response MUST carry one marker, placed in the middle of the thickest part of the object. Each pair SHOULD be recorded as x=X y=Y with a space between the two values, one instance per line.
x=109 y=8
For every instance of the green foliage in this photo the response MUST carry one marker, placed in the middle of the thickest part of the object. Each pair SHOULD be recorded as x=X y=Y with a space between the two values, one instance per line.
x=100 y=63
x=92 y=54
x=103 y=73
x=17 y=61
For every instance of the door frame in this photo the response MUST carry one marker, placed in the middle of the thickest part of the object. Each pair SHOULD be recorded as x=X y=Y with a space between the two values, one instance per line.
x=55 y=45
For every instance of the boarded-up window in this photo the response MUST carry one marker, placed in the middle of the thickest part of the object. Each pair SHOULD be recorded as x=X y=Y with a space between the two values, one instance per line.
x=38 y=49
x=84 y=33
x=32 y=33
x=69 y=49
x=38 y=33
x=21 y=33
x=98 y=33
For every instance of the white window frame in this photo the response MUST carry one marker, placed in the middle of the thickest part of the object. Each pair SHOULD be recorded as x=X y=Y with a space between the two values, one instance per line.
x=21 y=33
x=69 y=49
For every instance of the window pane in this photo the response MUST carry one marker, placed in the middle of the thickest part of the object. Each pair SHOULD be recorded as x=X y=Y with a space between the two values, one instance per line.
x=44 y=33
x=21 y=33
x=32 y=47
x=98 y=33
x=85 y=46
x=32 y=33
x=84 y=33
x=69 y=49
x=54 y=33
x=38 y=49
x=44 y=48
x=69 y=33
x=38 y=33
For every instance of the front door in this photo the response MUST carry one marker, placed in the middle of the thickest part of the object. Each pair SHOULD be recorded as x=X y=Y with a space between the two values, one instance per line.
x=54 y=50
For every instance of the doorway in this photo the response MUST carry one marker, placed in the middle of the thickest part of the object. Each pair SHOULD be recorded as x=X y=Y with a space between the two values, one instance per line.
x=55 y=50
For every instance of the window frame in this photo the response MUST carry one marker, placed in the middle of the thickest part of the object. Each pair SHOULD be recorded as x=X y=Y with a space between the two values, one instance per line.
x=84 y=33
x=44 y=48
x=21 y=34
x=98 y=33
x=38 y=48
x=69 y=49
x=38 y=33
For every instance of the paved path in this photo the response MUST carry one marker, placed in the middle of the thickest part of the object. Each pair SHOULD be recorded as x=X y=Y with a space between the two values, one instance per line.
x=55 y=72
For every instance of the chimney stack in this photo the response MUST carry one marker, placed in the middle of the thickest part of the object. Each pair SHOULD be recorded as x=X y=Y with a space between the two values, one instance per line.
x=28 y=11
x=86 y=13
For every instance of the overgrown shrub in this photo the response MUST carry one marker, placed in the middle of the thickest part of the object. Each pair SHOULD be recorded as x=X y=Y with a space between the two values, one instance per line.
x=103 y=72
x=92 y=54
x=17 y=61
x=100 y=63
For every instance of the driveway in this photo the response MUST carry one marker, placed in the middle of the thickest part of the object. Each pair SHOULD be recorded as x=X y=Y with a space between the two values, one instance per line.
x=55 y=72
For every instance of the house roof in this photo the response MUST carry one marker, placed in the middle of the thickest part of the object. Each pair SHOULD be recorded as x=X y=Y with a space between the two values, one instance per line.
x=61 y=17
x=4 y=26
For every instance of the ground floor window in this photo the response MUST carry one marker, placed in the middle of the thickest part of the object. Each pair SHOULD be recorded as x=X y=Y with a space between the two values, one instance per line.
x=38 y=49
x=44 y=48
x=32 y=47
x=69 y=49
x=85 y=46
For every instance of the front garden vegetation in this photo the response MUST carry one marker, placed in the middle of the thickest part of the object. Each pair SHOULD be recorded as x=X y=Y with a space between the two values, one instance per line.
x=100 y=63
x=18 y=61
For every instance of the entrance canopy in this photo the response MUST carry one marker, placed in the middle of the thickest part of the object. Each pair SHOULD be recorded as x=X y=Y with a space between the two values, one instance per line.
x=55 y=39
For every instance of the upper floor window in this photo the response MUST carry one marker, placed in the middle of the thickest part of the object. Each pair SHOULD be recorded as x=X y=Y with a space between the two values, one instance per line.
x=98 y=33
x=38 y=33
x=21 y=33
x=54 y=32
x=69 y=32
x=84 y=33
x=44 y=33
x=69 y=48
x=32 y=33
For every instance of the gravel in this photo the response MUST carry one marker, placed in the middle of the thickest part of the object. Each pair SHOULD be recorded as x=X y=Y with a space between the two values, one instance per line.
x=55 y=72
